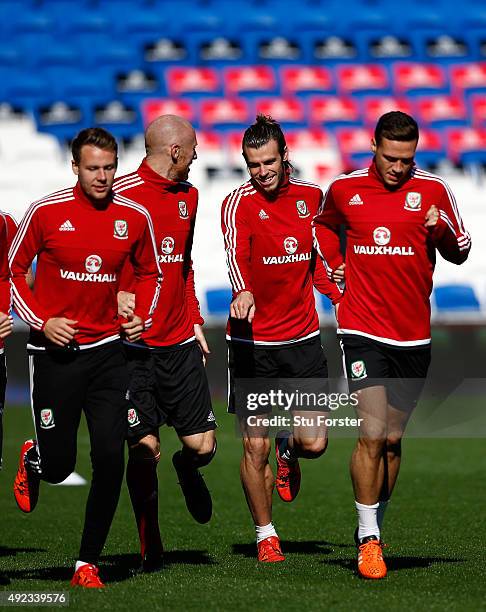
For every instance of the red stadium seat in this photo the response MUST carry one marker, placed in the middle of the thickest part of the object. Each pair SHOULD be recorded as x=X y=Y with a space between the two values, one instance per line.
x=355 y=146
x=478 y=110
x=192 y=81
x=308 y=139
x=209 y=141
x=224 y=113
x=283 y=110
x=374 y=108
x=468 y=76
x=303 y=79
x=332 y=110
x=441 y=111
x=362 y=78
x=153 y=108
x=466 y=145
x=412 y=78
x=249 y=79
x=431 y=149
x=233 y=140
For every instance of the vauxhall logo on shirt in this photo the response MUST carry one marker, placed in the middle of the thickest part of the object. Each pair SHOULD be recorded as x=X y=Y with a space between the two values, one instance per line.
x=381 y=238
x=290 y=245
x=92 y=265
x=167 y=246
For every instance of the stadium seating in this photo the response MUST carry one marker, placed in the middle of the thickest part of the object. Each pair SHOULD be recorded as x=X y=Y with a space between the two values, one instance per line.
x=153 y=108
x=289 y=112
x=218 y=301
x=454 y=298
x=224 y=114
x=333 y=111
x=193 y=81
x=247 y=80
x=297 y=80
x=466 y=145
x=441 y=111
x=363 y=79
x=416 y=78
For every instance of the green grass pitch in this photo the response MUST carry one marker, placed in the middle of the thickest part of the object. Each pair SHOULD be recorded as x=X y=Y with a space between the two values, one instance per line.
x=434 y=528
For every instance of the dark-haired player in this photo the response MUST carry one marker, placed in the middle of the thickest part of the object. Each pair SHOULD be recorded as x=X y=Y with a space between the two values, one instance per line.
x=396 y=217
x=82 y=237
x=273 y=330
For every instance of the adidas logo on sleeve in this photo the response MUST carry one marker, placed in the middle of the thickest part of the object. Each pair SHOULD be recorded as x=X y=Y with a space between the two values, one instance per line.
x=67 y=226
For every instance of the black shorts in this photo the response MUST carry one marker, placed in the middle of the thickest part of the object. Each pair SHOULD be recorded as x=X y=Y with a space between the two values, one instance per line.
x=64 y=384
x=3 y=385
x=168 y=386
x=368 y=362
x=301 y=360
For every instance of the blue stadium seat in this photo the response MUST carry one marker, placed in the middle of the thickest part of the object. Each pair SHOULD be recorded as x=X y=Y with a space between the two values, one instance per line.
x=218 y=301
x=456 y=298
x=326 y=304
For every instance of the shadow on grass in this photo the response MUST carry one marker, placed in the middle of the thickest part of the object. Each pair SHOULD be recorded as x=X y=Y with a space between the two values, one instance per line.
x=113 y=568
x=394 y=564
x=303 y=547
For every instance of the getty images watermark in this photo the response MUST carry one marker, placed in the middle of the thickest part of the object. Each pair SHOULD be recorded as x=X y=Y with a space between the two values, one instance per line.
x=307 y=409
x=444 y=407
x=308 y=404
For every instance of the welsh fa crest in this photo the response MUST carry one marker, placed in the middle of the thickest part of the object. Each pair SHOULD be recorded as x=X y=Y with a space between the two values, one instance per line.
x=413 y=201
x=47 y=419
x=133 y=417
x=183 y=212
x=358 y=369
x=120 y=229
x=302 y=209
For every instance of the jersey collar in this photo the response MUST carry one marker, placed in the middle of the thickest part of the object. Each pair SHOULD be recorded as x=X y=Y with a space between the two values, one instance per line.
x=150 y=176
x=83 y=199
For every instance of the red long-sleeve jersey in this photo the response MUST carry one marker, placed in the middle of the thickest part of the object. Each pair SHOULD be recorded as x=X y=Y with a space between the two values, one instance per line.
x=390 y=254
x=173 y=207
x=7 y=229
x=80 y=254
x=269 y=251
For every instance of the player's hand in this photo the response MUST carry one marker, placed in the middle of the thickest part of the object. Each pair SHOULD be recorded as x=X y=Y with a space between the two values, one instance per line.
x=336 y=312
x=337 y=275
x=6 y=325
x=201 y=340
x=133 y=328
x=60 y=330
x=243 y=306
x=126 y=304
x=432 y=216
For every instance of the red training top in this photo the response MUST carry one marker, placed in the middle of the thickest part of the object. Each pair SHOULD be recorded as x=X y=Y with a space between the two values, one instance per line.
x=269 y=251
x=390 y=254
x=172 y=206
x=80 y=252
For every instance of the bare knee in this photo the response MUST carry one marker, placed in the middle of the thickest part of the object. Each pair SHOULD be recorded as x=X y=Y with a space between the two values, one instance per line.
x=393 y=446
x=256 y=451
x=310 y=448
x=147 y=447
x=373 y=448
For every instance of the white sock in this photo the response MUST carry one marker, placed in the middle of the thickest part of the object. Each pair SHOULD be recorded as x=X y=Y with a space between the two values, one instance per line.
x=264 y=531
x=380 y=515
x=367 y=520
x=80 y=564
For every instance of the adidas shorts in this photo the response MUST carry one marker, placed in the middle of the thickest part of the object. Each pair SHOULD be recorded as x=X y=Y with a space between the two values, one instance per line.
x=168 y=386
x=302 y=360
x=367 y=361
